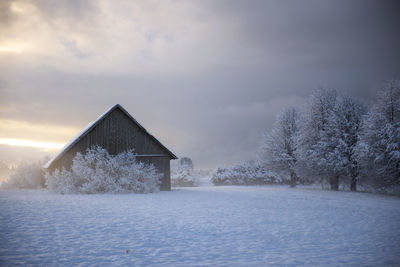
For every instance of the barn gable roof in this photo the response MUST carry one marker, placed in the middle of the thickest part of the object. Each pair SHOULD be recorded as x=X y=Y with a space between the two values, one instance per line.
x=93 y=124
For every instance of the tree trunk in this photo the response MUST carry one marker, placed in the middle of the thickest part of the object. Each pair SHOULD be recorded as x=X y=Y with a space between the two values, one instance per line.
x=334 y=181
x=293 y=179
x=353 y=185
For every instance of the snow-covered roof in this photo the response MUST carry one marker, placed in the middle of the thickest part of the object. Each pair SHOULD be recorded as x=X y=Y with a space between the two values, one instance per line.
x=93 y=124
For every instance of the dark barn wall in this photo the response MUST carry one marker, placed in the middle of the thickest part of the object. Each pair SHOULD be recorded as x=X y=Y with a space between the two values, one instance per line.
x=117 y=133
x=163 y=166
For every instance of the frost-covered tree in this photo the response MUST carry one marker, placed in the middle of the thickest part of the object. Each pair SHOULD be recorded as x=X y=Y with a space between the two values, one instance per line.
x=379 y=147
x=314 y=123
x=26 y=175
x=336 y=148
x=97 y=171
x=279 y=146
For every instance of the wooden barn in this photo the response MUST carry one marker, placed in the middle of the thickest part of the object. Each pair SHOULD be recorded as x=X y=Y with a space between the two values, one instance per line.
x=117 y=131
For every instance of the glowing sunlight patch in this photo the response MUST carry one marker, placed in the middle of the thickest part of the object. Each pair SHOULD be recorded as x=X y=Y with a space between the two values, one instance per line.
x=29 y=143
x=10 y=49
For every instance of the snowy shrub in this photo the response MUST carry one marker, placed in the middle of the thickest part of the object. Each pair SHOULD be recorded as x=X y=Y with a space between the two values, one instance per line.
x=182 y=174
x=183 y=177
x=61 y=181
x=26 y=176
x=245 y=174
x=98 y=172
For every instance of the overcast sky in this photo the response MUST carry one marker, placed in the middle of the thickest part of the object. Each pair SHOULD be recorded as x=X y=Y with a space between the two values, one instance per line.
x=207 y=78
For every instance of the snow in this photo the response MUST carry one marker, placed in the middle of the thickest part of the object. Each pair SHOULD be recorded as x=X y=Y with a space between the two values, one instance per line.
x=203 y=226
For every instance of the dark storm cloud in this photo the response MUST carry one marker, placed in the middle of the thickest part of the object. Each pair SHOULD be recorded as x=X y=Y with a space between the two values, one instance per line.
x=345 y=44
x=209 y=83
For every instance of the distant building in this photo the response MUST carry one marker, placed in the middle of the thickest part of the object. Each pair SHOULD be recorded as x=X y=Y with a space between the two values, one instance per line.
x=117 y=131
x=186 y=162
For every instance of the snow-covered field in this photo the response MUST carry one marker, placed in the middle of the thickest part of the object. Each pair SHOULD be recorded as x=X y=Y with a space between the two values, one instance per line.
x=205 y=226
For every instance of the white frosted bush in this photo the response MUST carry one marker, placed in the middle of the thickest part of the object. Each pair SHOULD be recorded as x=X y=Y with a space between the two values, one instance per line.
x=26 y=176
x=99 y=172
x=245 y=174
x=60 y=181
x=181 y=176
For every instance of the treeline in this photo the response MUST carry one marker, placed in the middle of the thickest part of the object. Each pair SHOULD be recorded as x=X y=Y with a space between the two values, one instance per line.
x=247 y=173
x=338 y=141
